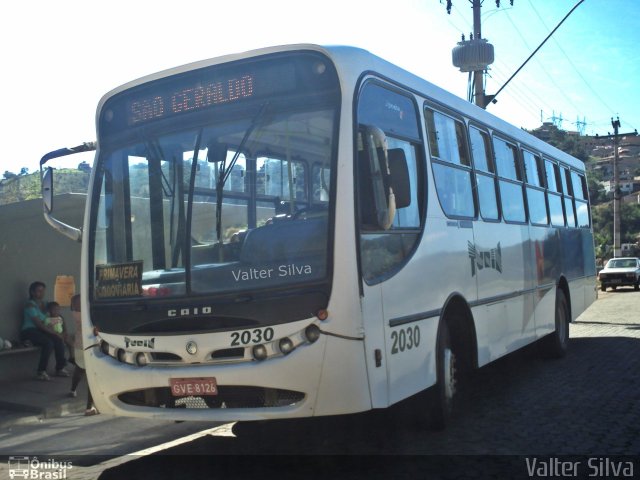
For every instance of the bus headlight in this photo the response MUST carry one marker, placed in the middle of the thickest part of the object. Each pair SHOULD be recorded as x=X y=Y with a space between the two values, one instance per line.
x=104 y=347
x=286 y=346
x=259 y=352
x=312 y=332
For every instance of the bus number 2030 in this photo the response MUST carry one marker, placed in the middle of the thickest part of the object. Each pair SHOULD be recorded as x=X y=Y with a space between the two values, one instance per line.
x=405 y=339
x=247 y=337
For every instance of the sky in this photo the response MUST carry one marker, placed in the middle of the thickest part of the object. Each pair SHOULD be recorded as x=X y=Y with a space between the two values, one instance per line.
x=60 y=58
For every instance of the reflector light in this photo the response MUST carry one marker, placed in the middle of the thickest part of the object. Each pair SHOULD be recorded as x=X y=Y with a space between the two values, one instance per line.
x=312 y=332
x=322 y=314
x=121 y=355
x=259 y=352
x=286 y=346
x=141 y=359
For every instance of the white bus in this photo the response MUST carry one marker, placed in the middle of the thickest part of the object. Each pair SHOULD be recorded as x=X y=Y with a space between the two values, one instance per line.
x=304 y=231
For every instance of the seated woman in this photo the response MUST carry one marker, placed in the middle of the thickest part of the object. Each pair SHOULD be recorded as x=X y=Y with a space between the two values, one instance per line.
x=35 y=330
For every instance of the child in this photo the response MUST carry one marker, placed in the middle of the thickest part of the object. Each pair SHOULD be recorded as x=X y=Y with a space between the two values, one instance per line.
x=55 y=321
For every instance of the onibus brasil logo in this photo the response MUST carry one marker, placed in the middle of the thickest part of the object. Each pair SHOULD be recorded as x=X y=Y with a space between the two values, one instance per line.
x=32 y=468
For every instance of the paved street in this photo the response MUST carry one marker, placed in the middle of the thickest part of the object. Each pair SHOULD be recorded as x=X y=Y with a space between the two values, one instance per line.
x=585 y=405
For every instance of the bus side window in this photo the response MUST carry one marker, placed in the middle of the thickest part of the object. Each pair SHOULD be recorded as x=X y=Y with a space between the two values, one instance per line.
x=569 y=211
x=510 y=181
x=384 y=250
x=581 y=196
x=450 y=163
x=554 y=195
x=485 y=174
x=535 y=188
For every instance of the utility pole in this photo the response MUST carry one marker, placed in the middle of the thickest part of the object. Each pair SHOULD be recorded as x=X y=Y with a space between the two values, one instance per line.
x=474 y=55
x=616 y=183
x=616 y=192
x=478 y=75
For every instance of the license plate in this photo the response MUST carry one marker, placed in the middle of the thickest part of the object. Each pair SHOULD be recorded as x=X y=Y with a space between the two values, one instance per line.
x=615 y=280
x=186 y=387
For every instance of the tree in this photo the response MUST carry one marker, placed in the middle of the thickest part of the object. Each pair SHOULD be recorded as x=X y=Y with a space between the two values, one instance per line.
x=602 y=216
x=596 y=190
x=27 y=186
x=8 y=174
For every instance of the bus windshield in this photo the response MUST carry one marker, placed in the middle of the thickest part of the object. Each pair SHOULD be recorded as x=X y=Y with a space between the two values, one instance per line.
x=216 y=203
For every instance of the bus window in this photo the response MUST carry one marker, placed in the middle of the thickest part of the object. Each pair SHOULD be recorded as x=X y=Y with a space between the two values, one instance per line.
x=550 y=170
x=407 y=215
x=235 y=183
x=450 y=163
x=554 y=195
x=581 y=196
x=384 y=250
x=485 y=174
x=535 y=191
x=532 y=169
x=579 y=186
x=565 y=178
x=510 y=181
x=280 y=178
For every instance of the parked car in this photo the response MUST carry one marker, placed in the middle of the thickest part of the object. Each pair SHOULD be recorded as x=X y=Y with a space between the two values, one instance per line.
x=623 y=271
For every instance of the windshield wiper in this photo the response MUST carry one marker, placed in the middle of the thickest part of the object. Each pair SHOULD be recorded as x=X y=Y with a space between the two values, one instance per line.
x=225 y=172
x=192 y=182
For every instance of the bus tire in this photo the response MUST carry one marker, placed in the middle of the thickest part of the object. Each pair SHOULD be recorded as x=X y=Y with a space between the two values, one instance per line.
x=603 y=288
x=447 y=380
x=555 y=344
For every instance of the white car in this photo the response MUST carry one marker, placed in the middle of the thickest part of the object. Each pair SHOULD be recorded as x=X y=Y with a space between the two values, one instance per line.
x=620 y=271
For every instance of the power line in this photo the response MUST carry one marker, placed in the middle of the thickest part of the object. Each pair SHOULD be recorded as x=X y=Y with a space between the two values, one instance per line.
x=572 y=64
x=493 y=97
x=544 y=70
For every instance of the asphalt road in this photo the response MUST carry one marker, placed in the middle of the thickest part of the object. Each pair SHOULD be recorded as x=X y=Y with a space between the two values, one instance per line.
x=581 y=411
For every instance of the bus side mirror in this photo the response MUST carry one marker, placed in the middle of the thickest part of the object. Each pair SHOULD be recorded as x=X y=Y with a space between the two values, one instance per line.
x=382 y=194
x=400 y=183
x=47 y=189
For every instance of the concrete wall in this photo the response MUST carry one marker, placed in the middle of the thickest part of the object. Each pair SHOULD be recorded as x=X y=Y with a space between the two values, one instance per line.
x=31 y=250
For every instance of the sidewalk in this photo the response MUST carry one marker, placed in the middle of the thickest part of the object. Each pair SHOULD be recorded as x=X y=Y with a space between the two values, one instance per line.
x=30 y=400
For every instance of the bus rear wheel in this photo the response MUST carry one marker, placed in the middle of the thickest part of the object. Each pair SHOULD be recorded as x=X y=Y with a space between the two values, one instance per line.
x=448 y=378
x=555 y=344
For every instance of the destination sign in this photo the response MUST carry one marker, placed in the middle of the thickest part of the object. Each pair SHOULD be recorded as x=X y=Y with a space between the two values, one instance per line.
x=119 y=280
x=191 y=98
x=251 y=81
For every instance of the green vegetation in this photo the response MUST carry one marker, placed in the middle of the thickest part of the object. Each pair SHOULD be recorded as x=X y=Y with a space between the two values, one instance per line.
x=17 y=188
x=603 y=226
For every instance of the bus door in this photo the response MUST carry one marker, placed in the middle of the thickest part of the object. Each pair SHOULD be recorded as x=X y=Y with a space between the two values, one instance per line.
x=391 y=200
x=390 y=226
